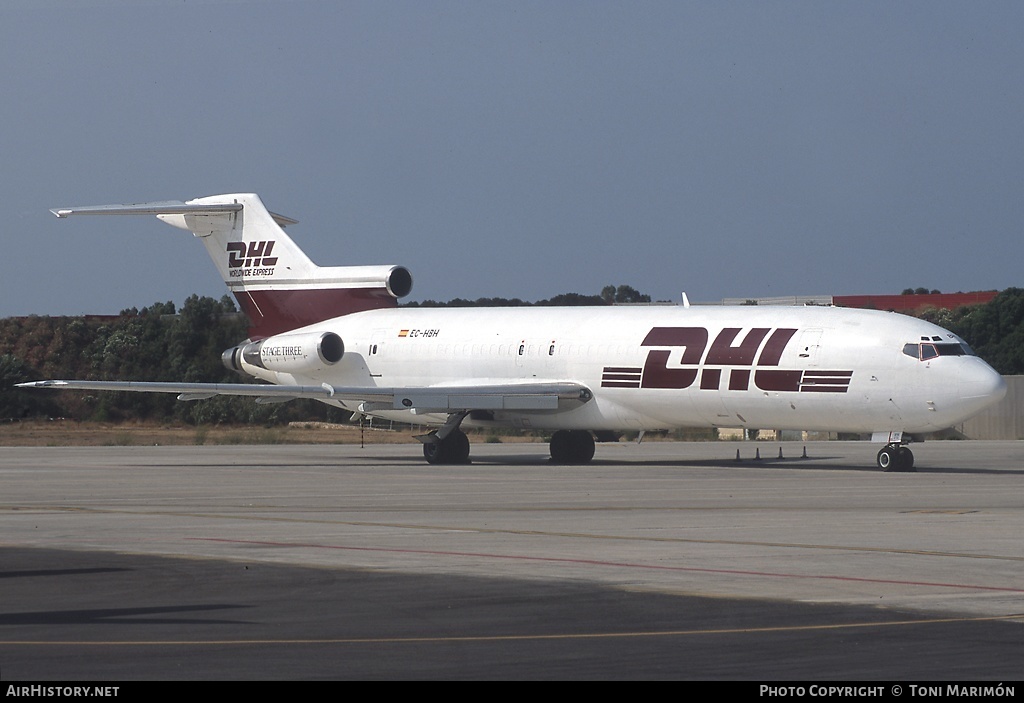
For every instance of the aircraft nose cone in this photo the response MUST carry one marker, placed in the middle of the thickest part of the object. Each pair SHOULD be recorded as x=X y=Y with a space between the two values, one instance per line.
x=980 y=383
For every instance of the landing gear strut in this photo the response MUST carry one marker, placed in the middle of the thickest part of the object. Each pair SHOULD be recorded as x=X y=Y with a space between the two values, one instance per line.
x=896 y=458
x=572 y=447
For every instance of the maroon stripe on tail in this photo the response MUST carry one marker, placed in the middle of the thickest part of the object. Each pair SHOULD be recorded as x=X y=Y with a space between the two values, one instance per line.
x=272 y=312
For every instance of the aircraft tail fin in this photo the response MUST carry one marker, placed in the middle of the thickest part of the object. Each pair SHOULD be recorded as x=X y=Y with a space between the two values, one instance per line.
x=275 y=283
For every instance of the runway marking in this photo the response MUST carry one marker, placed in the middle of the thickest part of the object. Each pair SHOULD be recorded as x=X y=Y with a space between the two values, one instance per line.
x=540 y=533
x=510 y=638
x=597 y=562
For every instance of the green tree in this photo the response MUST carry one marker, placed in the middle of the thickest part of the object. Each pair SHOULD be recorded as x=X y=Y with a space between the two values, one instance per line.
x=629 y=294
x=12 y=371
x=995 y=330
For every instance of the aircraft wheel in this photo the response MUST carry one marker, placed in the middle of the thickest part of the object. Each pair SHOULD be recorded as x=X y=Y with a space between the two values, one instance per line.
x=453 y=449
x=895 y=459
x=582 y=446
x=905 y=459
x=561 y=447
x=458 y=447
x=572 y=447
x=886 y=459
x=434 y=452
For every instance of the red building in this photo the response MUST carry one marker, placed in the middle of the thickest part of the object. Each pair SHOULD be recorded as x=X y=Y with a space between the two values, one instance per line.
x=914 y=302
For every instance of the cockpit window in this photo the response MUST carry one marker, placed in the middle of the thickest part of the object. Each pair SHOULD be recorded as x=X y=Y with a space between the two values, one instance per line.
x=950 y=349
x=929 y=350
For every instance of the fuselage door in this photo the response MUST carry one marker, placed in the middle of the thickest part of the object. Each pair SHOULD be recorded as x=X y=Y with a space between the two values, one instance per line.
x=550 y=352
x=520 y=351
x=810 y=347
x=375 y=352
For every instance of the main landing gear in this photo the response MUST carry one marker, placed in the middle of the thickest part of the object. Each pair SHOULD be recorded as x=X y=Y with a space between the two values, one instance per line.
x=453 y=449
x=896 y=458
x=572 y=447
x=447 y=444
x=450 y=445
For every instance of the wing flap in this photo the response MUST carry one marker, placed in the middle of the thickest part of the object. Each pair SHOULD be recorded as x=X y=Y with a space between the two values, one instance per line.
x=512 y=396
x=497 y=400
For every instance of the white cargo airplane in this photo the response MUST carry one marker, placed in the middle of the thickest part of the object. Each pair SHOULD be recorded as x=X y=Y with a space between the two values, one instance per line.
x=337 y=335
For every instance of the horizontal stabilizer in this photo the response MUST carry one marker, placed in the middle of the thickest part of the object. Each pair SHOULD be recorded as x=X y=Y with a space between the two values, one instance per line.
x=166 y=207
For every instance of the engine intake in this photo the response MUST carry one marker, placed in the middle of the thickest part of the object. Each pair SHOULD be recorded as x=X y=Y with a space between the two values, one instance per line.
x=399 y=282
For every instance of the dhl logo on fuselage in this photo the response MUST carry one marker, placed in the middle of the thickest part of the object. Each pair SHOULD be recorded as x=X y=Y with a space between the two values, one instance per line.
x=739 y=360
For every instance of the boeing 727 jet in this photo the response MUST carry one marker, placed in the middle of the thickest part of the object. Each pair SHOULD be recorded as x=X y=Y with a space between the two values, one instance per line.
x=337 y=334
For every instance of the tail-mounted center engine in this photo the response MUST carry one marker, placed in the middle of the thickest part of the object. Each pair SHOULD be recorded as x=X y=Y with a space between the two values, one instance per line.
x=287 y=353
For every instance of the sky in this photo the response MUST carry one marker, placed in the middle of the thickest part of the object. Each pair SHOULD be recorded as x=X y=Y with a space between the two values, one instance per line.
x=519 y=149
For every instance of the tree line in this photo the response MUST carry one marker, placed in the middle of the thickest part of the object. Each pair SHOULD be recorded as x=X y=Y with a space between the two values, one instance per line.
x=164 y=343
x=994 y=330
x=155 y=343
x=609 y=295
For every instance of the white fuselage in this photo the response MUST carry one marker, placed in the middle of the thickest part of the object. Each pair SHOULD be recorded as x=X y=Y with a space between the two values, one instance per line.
x=658 y=367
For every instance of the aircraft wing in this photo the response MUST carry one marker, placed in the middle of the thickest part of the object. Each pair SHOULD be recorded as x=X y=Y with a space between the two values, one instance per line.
x=421 y=399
